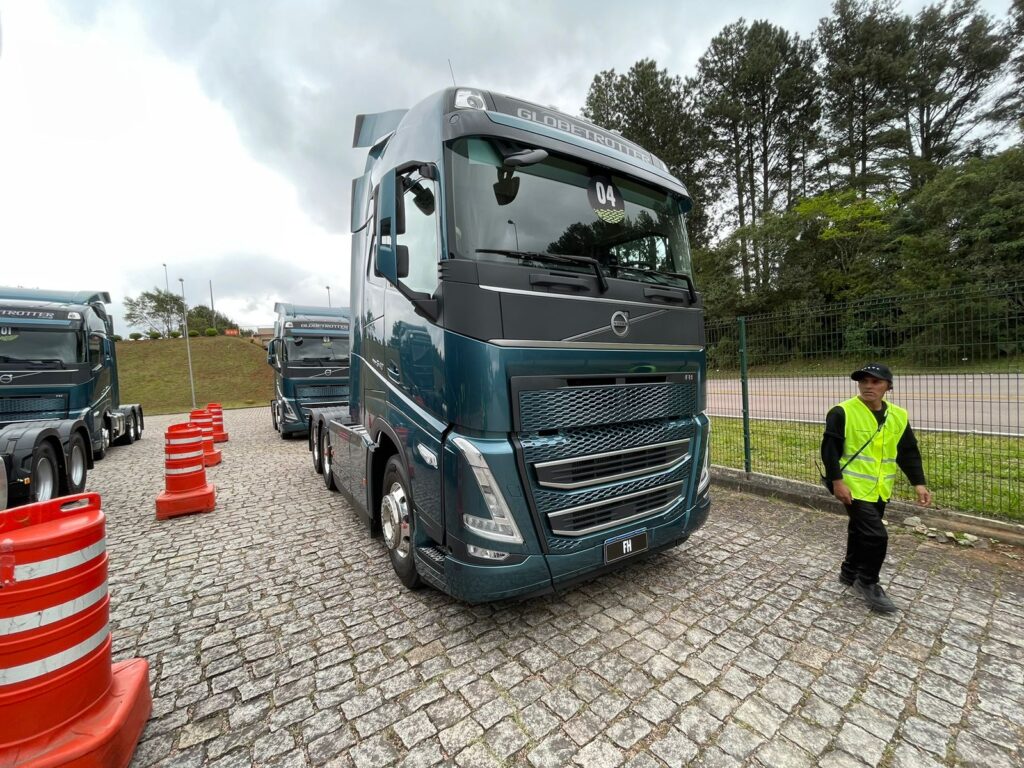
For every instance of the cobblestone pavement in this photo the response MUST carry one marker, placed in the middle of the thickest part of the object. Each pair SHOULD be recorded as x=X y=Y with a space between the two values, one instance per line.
x=278 y=635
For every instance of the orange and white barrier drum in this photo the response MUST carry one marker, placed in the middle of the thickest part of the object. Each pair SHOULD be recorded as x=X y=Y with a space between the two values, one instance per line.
x=186 y=490
x=61 y=701
x=211 y=456
x=219 y=434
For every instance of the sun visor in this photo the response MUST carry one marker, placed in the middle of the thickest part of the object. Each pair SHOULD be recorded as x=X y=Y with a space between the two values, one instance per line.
x=371 y=128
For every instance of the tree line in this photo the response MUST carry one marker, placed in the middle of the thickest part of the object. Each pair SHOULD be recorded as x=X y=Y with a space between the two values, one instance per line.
x=875 y=156
x=162 y=313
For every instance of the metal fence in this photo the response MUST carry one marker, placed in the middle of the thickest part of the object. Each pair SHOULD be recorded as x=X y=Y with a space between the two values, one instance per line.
x=957 y=356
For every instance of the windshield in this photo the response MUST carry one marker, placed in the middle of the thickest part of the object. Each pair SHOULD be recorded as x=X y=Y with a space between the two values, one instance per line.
x=562 y=206
x=31 y=345
x=314 y=350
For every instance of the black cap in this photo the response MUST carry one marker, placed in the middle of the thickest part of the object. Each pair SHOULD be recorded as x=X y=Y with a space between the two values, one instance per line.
x=877 y=370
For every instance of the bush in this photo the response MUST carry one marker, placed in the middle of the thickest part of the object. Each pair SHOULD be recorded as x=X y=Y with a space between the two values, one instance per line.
x=135 y=336
x=155 y=335
x=117 y=338
x=175 y=334
x=193 y=334
x=211 y=331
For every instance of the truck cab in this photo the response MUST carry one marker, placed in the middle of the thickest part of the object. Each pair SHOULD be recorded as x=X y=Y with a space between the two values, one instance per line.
x=309 y=355
x=60 y=403
x=528 y=362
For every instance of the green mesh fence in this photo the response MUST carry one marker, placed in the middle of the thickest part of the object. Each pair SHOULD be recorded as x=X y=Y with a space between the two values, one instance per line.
x=957 y=357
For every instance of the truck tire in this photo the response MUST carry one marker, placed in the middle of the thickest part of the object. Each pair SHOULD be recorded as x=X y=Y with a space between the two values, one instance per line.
x=99 y=453
x=138 y=427
x=324 y=439
x=316 y=448
x=273 y=414
x=129 y=429
x=45 y=482
x=397 y=522
x=77 y=464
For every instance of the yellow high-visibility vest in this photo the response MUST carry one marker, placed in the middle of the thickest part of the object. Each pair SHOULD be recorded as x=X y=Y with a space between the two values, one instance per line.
x=871 y=475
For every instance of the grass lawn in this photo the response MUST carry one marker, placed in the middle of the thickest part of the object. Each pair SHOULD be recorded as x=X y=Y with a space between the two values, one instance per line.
x=969 y=473
x=227 y=370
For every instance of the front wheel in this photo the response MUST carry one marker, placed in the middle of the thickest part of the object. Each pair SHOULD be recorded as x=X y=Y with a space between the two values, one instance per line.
x=324 y=441
x=44 y=483
x=397 y=522
x=77 y=465
x=316 y=448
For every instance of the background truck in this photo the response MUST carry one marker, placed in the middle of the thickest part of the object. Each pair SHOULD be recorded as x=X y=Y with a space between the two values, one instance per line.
x=309 y=355
x=528 y=365
x=60 y=405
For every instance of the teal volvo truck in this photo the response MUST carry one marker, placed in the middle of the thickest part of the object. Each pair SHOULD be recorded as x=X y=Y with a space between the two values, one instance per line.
x=309 y=355
x=527 y=405
x=60 y=400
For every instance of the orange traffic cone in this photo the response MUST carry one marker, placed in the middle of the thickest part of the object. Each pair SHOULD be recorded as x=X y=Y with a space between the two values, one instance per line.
x=186 y=488
x=61 y=701
x=211 y=456
x=219 y=435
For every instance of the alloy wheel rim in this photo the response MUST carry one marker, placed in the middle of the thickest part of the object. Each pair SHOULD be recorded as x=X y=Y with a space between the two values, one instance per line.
x=44 y=480
x=395 y=520
x=77 y=464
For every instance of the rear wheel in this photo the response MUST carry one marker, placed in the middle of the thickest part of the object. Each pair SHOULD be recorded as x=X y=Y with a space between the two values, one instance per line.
x=324 y=440
x=77 y=465
x=397 y=523
x=129 y=429
x=138 y=426
x=44 y=482
x=99 y=453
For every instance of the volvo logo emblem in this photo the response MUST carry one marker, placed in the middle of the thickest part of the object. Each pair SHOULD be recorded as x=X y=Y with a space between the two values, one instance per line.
x=6 y=378
x=620 y=323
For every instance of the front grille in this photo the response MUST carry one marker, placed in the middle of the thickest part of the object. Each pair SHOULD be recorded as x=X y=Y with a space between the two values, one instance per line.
x=589 y=518
x=583 y=406
x=321 y=392
x=611 y=466
x=30 y=408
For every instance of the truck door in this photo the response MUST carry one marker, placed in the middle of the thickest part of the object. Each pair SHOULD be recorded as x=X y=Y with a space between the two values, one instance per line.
x=413 y=353
x=102 y=398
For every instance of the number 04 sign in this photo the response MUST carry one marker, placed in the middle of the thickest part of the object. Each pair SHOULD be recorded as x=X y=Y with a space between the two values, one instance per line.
x=605 y=200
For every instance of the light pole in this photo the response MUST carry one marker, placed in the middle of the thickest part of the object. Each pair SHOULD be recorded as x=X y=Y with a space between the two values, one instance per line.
x=167 y=283
x=188 y=346
x=516 y=230
x=328 y=295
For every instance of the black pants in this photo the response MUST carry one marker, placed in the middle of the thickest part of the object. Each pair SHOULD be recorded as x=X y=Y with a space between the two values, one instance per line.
x=866 y=541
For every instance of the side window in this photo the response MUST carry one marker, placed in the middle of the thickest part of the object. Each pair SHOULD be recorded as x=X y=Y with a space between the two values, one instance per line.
x=421 y=234
x=95 y=349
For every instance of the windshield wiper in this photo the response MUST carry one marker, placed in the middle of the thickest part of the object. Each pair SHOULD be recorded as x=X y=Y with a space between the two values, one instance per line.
x=47 y=361
x=558 y=258
x=655 y=273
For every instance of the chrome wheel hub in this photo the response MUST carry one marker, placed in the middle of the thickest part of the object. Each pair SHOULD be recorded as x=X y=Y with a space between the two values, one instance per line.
x=44 y=481
x=394 y=519
x=77 y=465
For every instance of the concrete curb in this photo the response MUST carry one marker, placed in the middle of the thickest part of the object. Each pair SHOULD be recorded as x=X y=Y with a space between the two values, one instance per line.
x=897 y=511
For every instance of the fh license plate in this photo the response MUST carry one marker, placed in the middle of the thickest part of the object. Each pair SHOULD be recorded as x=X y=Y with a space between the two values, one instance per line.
x=625 y=546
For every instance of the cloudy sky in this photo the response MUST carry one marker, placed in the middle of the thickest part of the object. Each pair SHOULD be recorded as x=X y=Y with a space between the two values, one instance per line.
x=215 y=136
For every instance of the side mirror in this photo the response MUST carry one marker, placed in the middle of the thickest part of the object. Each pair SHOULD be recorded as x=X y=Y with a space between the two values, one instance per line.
x=402 y=260
x=390 y=224
x=272 y=353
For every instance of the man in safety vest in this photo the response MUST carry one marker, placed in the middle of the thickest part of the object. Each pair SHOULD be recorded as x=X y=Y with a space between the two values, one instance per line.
x=865 y=440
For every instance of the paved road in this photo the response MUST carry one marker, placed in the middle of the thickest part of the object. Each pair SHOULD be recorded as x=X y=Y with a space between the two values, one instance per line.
x=277 y=635
x=971 y=403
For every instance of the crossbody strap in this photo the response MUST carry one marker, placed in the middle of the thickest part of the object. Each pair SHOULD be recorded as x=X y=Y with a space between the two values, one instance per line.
x=882 y=424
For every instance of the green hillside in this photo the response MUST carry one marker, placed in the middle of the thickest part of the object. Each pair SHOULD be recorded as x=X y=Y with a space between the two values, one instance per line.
x=230 y=371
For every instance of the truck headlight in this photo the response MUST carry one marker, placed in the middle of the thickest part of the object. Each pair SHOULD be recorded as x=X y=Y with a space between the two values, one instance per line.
x=501 y=526
x=705 y=470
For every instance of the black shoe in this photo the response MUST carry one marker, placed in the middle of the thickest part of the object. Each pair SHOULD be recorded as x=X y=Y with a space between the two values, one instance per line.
x=875 y=597
x=844 y=579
